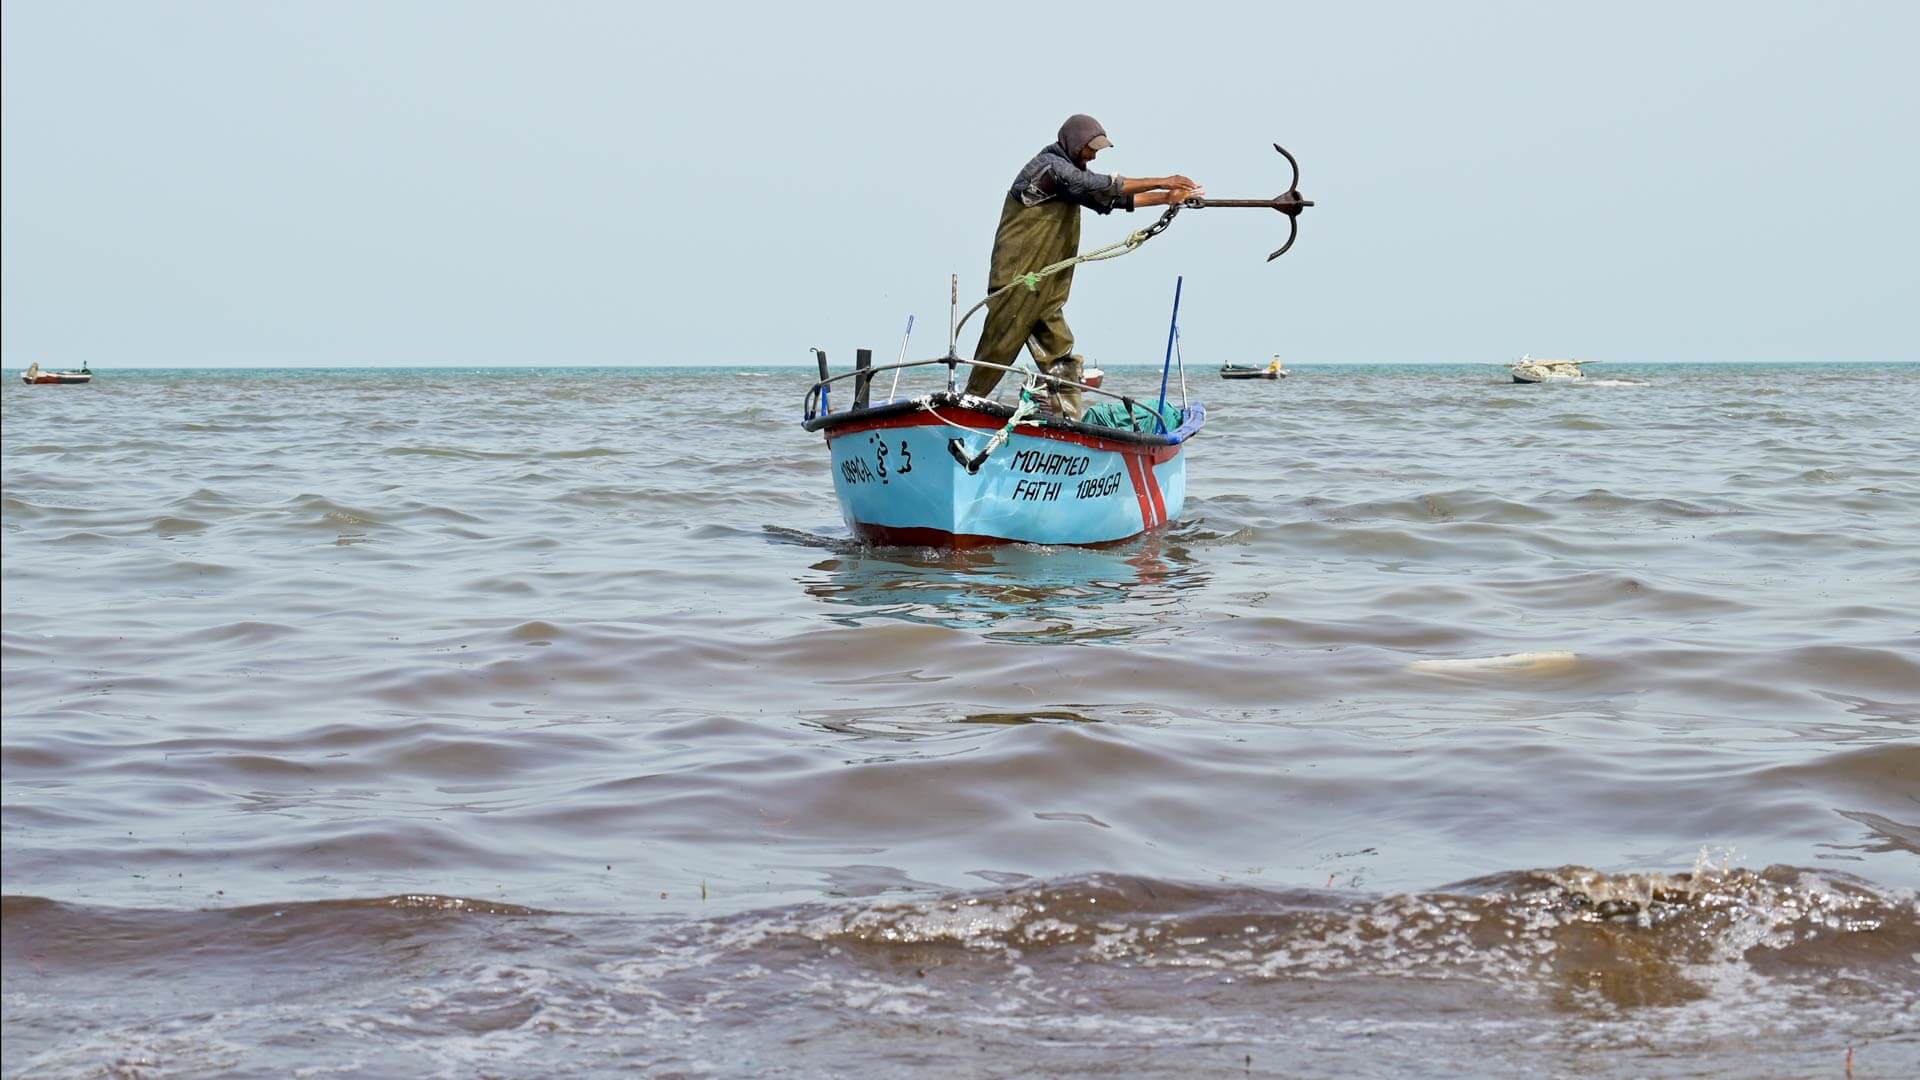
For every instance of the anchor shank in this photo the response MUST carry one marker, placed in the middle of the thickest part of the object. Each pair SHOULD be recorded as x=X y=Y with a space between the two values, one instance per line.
x=1286 y=204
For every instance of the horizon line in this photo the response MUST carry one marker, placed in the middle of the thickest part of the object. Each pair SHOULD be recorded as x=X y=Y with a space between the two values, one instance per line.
x=803 y=365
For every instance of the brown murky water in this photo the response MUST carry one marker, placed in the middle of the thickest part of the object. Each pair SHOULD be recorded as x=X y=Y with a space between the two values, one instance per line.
x=532 y=724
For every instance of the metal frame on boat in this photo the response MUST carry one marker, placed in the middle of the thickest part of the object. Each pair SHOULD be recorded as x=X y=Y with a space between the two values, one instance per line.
x=947 y=469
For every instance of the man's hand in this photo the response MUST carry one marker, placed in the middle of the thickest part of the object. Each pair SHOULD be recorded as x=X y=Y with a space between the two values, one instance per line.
x=1180 y=188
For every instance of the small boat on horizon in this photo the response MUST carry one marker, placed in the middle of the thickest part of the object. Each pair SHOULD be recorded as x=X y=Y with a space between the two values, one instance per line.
x=34 y=376
x=1274 y=370
x=1529 y=370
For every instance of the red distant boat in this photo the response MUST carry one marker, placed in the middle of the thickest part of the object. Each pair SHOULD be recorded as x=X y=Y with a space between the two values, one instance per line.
x=33 y=376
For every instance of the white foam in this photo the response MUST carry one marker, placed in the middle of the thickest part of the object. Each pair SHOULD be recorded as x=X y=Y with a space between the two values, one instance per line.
x=1522 y=663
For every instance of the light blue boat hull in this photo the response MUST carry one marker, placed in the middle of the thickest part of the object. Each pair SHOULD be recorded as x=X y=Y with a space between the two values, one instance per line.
x=899 y=482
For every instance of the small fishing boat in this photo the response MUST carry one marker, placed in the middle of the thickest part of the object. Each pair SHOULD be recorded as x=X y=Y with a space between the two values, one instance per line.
x=1274 y=370
x=34 y=376
x=947 y=469
x=1529 y=370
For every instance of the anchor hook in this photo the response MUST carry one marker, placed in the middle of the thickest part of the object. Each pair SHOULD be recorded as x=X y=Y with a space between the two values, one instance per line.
x=1288 y=202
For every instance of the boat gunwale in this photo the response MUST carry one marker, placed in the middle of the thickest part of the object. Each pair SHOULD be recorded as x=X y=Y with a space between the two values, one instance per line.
x=1191 y=423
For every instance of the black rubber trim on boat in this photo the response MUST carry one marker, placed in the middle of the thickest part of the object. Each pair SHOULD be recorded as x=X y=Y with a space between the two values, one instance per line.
x=959 y=452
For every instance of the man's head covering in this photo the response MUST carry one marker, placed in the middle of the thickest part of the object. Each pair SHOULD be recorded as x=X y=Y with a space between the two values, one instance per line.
x=1082 y=132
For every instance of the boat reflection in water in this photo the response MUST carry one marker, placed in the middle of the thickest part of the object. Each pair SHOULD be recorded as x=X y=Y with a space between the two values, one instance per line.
x=1017 y=592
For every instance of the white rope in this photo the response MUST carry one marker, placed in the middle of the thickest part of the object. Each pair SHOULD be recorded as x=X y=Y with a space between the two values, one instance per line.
x=1025 y=409
x=1021 y=414
x=1032 y=279
x=927 y=405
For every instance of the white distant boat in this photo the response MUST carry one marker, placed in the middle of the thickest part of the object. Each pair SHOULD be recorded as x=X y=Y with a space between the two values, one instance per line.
x=1527 y=369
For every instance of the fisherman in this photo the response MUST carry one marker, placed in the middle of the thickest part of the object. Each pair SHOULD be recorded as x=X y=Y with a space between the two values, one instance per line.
x=1039 y=226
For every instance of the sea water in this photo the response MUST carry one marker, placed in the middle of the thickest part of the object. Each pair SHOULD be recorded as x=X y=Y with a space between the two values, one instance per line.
x=547 y=723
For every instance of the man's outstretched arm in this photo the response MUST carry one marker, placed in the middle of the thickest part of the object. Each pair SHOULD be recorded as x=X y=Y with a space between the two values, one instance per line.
x=1170 y=197
x=1160 y=190
x=1144 y=184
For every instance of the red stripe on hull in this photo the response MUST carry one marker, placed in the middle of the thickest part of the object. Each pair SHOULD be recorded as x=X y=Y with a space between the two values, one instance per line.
x=1135 y=466
x=967 y=418
x=964 y=417
x=1153 y=491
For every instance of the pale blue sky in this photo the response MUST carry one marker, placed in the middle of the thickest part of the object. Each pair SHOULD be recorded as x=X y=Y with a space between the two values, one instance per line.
x=501 y=183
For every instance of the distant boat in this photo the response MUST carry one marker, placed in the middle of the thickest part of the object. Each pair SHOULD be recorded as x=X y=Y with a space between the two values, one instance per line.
x=1529 y=370
x=33 y=376
x=1273 y=370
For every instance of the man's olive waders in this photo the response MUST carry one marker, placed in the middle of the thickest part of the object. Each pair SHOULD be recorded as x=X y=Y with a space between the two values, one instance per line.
x=1029 y=238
